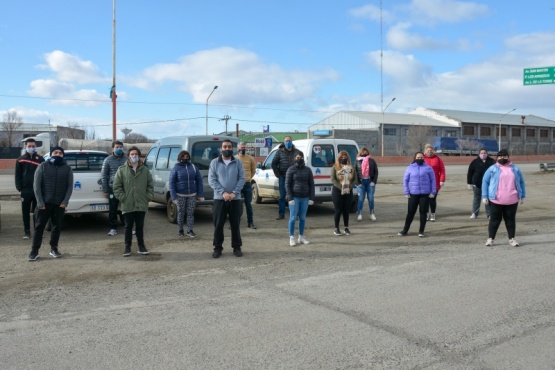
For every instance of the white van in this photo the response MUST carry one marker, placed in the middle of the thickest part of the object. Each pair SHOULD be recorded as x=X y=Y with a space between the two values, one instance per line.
x=320 y=155
x=162 y=157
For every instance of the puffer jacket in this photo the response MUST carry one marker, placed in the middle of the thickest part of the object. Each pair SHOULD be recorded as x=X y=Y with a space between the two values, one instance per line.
x=185 y=179
x=299 y=182
x=53 y=184
x=419 y=180
x=109 y=168
x=438 y=167
x=476 y=171
x=133 y=189
x=25 y=167
x=373 y=169
x=284 y=159
x=490 y=182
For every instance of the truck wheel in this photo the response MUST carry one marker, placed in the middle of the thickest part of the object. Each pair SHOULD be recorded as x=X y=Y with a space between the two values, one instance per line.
x=256 y=194
x=172 y=211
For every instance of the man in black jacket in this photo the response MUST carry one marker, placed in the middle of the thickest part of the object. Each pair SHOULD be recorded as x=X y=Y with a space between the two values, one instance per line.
x=25 y=167
x=476 y=171
x=53 y=185
x=283 y=159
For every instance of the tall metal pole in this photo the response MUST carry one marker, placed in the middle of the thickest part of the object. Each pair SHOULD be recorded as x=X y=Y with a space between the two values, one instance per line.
x=381 y=58
x=383 y=121
x=113 y=90
x=499 y=144
x=212 y=92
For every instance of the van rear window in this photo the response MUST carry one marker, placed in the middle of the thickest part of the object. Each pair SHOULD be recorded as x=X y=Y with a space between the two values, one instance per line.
x=85 y=162
x=203 y=152
x=323 y=155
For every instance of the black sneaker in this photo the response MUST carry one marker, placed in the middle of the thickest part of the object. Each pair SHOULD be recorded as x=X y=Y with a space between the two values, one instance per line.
x=237 y=252
x=280 y=217
x=181 y=233
x=27 y=235
x=54 y=253
x=127 y=251
x=347 y=232
x=191 y=234
x=142 y=250
x=217 y=253
x=402 y=233
x=252 y=226
x=336 y=232
x=33 y=256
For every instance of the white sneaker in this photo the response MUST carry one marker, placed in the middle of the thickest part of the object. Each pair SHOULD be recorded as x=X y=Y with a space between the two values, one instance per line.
x=303 y=240
x=473 y=216
x=359 y=218
x=372 y=217
x=513 y=243
x=112 y=232
x=432 y=217
x=489 y=242
x=292 y=241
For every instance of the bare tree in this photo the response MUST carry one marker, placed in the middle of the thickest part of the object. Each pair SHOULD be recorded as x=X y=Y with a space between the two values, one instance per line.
x=12 y=121
x=468 y=145
x=418 y=136
x=90 y=133
x=135 y=137
x=74 y=131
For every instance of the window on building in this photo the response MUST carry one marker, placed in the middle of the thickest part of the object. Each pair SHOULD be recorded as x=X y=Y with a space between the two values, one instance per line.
x=516 y=132
x=503 y=131
x=450 y=133
x=390 y=131
x=544 y=133
x=485 y=131
x=530 y=132
x=468 y=130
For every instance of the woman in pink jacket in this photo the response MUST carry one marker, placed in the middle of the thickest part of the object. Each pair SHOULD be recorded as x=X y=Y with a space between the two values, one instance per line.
x=437 y=165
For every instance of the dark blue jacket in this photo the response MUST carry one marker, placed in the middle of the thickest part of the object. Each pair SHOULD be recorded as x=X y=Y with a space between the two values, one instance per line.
x=185 y=179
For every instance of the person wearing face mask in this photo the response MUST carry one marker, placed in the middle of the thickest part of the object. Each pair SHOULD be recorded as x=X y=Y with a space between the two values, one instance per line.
x=186 y=189
x=299 y=185
x=419 y=185
x=226 y=177
x=283 y=159
x=437 y=165
x=249 y=166
x=367 y=172
x=503 y=188
x=109 y=168
x=343 y=177
x=474 y=177
x=53 y=185
x=25 y=167
x=134 y=189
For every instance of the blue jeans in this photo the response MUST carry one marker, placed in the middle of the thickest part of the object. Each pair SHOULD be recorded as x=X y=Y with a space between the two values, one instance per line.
x=246 y=194
x=298 y=209
x=364 y=190
x=282 y=195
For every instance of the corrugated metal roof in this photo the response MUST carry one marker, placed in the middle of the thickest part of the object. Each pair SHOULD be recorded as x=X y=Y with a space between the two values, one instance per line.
x=513 y=119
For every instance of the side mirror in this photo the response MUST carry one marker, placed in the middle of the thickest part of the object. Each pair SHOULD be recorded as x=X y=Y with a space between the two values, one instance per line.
x=258 y=165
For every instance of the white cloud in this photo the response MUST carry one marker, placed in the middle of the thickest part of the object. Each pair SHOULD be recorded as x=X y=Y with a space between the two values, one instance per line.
x=69 y=68
x=401 y=70
x=371 y=12
x=64 y=93
x=398 y=38
x=242 y=77
x=446 y=11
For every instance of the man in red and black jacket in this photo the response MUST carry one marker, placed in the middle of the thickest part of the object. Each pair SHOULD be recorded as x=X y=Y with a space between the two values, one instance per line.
x=25 y=167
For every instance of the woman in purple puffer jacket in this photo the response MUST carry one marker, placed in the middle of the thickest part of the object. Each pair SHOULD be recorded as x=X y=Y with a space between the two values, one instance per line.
x=419 y=184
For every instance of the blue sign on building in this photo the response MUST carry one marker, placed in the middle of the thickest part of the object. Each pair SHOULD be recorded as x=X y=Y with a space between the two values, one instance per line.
x=321 y=132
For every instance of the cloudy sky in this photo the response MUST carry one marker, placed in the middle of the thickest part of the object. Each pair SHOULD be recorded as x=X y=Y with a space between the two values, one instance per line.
x=287 y=64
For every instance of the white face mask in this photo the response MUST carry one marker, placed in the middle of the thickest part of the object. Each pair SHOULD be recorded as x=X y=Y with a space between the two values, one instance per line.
x=31 y=150
x=134 y=159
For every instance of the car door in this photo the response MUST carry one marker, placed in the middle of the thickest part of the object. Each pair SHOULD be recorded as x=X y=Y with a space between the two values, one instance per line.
x=266 y=181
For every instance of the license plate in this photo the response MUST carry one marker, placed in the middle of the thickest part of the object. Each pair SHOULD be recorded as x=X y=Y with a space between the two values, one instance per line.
x=325 y=188
x=99 y=207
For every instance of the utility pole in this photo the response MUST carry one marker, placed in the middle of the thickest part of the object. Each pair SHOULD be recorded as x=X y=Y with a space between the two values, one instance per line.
x=226 y=118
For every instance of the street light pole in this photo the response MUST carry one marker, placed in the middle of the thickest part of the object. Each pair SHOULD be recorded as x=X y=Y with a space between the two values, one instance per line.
x=383 y=119
x=212 y=92
x=500 y=119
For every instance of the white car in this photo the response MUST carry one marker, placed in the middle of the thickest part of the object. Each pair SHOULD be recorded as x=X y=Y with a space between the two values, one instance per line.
x=87 y=196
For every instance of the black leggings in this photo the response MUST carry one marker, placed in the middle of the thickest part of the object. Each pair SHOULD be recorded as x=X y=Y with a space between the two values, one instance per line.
x=421 y=201
x=342 y=205
x=505 y=212
x=433 y=203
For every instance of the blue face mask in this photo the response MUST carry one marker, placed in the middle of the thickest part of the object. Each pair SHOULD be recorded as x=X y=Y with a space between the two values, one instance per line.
x=118 y=152
x=288 y=145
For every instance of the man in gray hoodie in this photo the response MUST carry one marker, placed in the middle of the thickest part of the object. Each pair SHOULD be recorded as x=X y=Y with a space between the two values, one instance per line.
x=227 y=177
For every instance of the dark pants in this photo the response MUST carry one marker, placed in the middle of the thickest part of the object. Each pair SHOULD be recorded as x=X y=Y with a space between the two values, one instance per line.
x=113 y=212
x=28 y=204
x=342 y=205
x=138 y=220
x=421 y=201
x=477 y=200
x=505 y=212
x=246 y=194
x=282 y=194
x=220 y=210
x=55 y=214
x=433 y=203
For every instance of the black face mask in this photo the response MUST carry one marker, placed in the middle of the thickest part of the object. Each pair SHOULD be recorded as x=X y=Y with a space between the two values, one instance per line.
x=364 y=155
x=503 y=161
x=227 y=153
x=343 y=161
x=185 y=161
x=242 y=151
x=299 y=162
x=419 y=162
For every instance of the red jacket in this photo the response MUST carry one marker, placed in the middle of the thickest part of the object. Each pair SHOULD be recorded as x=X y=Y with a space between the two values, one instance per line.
x=439 y=168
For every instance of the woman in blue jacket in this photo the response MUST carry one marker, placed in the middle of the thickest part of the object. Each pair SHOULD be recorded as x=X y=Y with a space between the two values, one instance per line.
x=185 y=189
x=419 y=185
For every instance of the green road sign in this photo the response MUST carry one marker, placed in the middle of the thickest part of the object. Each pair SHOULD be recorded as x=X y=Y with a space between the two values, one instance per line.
x=539 y=76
